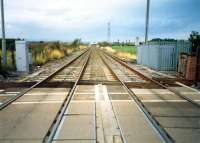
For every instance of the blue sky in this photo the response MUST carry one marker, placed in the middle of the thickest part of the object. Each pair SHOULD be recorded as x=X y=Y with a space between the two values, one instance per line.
x=87 y=19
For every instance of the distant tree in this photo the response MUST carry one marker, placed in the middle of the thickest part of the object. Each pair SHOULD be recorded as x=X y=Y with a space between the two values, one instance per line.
x=57 y=45
x=104 y=44
x=166 y=39
x=76 y=43
x=195 y=40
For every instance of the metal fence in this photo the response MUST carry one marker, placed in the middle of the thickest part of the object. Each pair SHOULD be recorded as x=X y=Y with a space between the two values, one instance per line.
x=162 y=56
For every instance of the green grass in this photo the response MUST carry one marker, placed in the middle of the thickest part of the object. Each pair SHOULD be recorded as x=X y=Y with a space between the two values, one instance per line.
x=127 y=49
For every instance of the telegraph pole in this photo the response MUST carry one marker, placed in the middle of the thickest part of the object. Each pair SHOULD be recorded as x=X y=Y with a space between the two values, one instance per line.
x=147 y=22
x=4 y=57
x=109 y=32
x=137 y=41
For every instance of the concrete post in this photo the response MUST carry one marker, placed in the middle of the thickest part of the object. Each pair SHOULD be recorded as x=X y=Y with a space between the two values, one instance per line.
x=109 y=32
x=4 y=57
x=147 y=22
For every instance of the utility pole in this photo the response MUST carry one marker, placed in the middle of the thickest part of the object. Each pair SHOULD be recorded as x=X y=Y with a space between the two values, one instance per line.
x=109 y=32
x=147 y=22
x=4 y=57
x=137 y=41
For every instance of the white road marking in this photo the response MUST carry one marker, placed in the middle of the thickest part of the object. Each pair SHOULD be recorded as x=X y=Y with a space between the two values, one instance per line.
x=9 y=92
x=38 y=102
x=85 y=93
x=108 y=127
x=4 y=95
x=192 y=89
x=118 y=93
x=83 y=101
x=105 y=93
x=47 y=94
x=189 y=93
x=96 y=87
x=168 y=100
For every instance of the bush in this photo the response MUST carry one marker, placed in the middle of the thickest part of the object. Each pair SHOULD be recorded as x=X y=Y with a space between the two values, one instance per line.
x=56 y=54
x=104 y=44
x=43 y=52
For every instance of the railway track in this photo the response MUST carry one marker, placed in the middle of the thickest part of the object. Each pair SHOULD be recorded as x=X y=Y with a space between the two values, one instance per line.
x=165 y=86
x=96 y=97
x=53 y=129
x=47 y=78
x=193 y=104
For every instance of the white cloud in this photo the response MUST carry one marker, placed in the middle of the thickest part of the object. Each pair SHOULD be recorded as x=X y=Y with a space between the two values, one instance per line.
x=81 y=18
x=68 y=14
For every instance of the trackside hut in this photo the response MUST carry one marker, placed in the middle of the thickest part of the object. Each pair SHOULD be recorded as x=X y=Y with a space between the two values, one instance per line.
x=162 y=56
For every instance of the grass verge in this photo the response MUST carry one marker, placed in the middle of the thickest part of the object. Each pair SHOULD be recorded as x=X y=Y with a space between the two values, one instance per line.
x=127 y=49
x=127 y=53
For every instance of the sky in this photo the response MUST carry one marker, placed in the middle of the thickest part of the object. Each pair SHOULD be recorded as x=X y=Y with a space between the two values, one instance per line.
x=66 y=20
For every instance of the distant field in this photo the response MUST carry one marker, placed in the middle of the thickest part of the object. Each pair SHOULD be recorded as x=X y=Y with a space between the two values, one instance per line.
x=129 y=49
x=128 y=53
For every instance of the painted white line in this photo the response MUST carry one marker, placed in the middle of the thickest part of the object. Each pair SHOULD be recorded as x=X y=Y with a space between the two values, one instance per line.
x=105 y=93
x=96 y=87
x=47 y=94
x=192 y=89
x=122 y=100
x=190 y=93
x=38 y=102
x=155 y=93
x=9 y=92
x=151 y=93
x=85 y=93
x=153 y=101
x=4 y=95
x=168 y=100
x=117 y=93
x=82 y=101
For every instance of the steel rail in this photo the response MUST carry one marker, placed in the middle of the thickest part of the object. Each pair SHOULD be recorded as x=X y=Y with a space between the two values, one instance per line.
x=152 y=80
x=166 y=137
x=52 y=130
x=9 y=101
